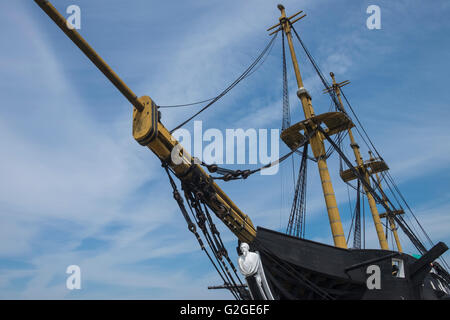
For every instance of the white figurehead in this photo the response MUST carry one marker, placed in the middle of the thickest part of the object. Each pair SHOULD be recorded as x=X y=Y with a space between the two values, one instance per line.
x=250 y=265
x=248 y=261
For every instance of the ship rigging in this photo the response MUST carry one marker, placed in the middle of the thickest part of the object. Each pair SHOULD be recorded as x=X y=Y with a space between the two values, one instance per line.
x=286 y=265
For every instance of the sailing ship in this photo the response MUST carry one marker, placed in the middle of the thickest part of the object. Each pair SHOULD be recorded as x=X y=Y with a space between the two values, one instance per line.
x=285 y=265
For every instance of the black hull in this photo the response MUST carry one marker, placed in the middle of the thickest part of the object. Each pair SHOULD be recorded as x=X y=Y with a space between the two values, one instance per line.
x=303 y=269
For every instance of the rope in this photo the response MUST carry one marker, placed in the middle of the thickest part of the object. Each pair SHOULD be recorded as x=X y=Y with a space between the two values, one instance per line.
x=229 y=174
x=200 y=221
x=187 y=104
x=319 y=73
x=412 y=236
x=416 y=242
x=296 y=224
x=362 y=128
x=210 y=99
x=200 y=218
x=286 y=123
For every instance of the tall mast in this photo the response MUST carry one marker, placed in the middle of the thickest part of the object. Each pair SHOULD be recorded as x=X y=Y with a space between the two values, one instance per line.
x=316 y=140
x=360 y=163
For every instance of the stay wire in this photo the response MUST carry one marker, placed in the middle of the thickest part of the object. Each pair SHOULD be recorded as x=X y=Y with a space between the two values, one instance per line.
x=187 y=104
x=231 y=86
x=331 y=93
x=415 y=218
x=210 y=99
x=417 y=243
x=229 y=174
x=191 y=226
x=194 y=204
x=362 y=127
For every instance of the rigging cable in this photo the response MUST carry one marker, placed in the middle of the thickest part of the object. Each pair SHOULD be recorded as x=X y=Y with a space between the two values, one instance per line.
x=331 y=92
x=390 y=187
x=210 y=99
x=231 y=86
x=359 y=122
x=319 y=73
x=412 y=213
x=212 y=238
x=390 y=181
x=364 y=221
x=286 y=108
x=229 y=174
x=187 y=104
x=416 y=242
x=357 y=233
x=412 y=237
x=286 y=121
x=333 y=97
x=444 y=262
x=353 y=215
x=339 y=137
x=192 y=228
x=296 y=224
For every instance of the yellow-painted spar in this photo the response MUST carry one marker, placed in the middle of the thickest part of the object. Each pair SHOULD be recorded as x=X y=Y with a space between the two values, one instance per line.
x=373 y=206
x=150 y=132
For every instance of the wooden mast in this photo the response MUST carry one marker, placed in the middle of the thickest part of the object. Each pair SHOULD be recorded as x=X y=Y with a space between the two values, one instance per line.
x=360 y=163
x=316 y=140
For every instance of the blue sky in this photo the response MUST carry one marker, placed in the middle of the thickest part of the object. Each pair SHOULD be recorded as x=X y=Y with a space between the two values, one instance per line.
x=75 y=188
